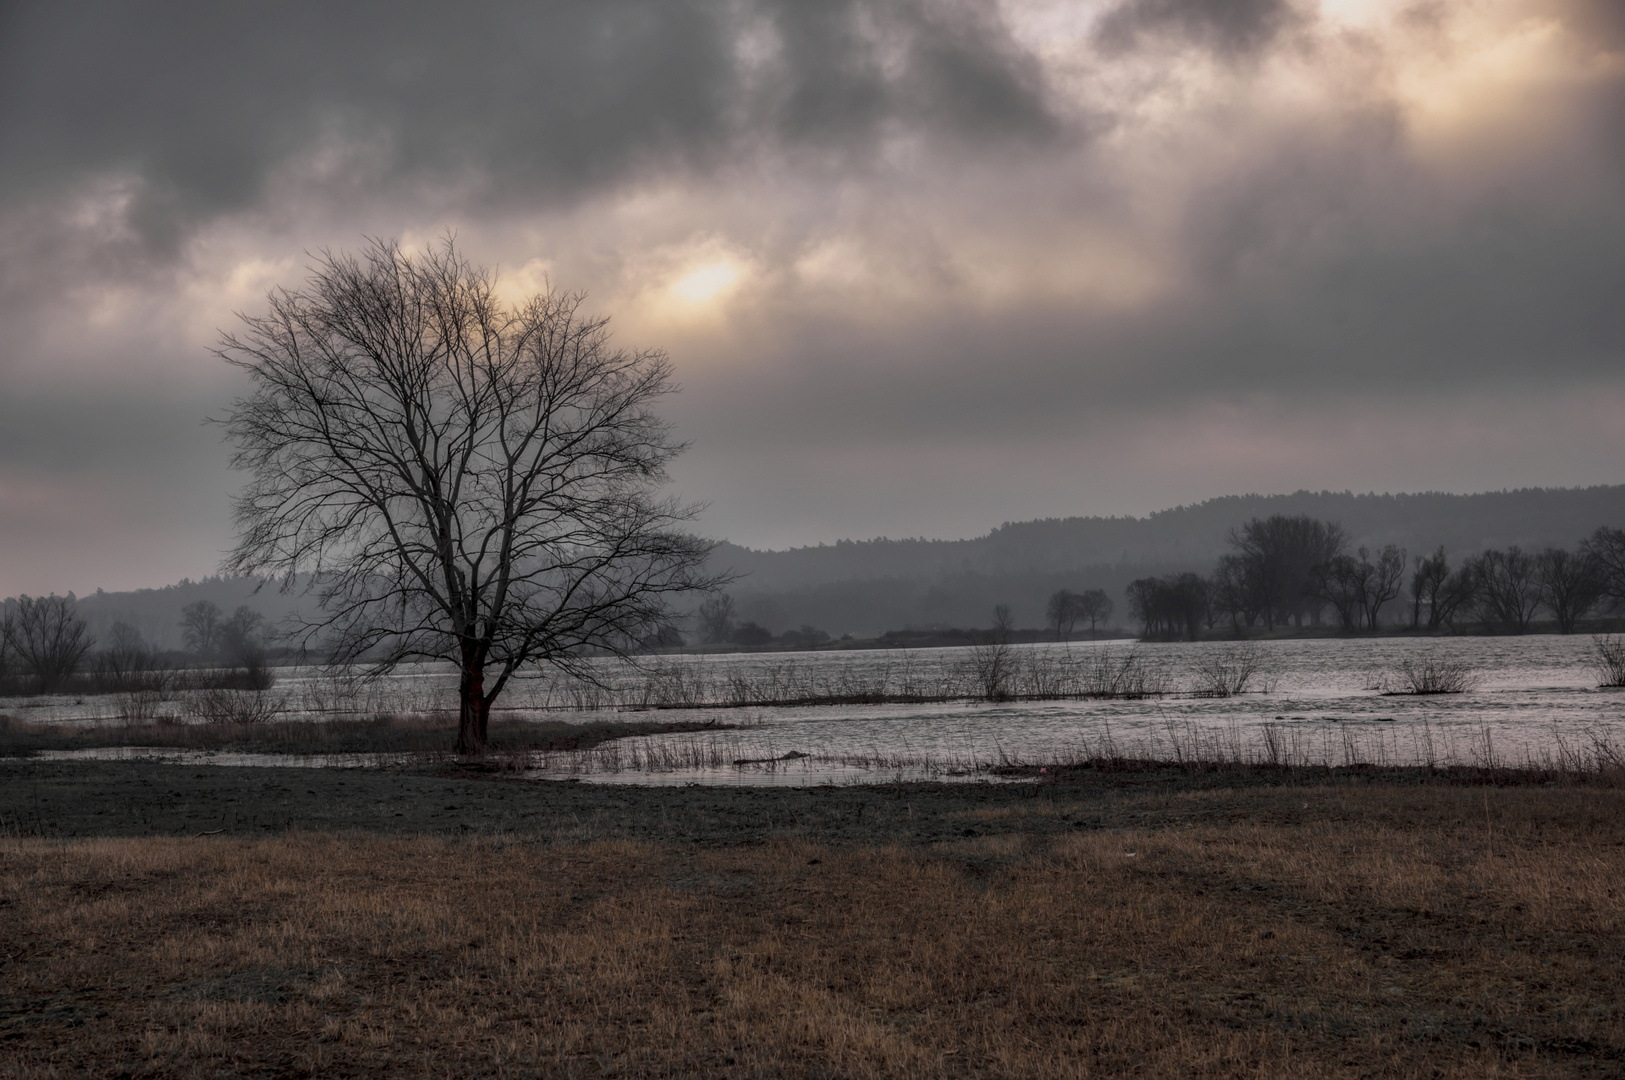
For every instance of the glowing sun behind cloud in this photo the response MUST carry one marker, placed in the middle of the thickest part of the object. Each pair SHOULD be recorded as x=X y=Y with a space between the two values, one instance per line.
x=682 y=288
x=710 y=283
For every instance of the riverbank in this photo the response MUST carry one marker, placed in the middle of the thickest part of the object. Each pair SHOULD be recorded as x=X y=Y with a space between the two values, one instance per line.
x=188 y=921
x=956 y=637
x=427 y=736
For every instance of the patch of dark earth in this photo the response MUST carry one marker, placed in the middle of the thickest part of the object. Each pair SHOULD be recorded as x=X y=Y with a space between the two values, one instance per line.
x=146 y=798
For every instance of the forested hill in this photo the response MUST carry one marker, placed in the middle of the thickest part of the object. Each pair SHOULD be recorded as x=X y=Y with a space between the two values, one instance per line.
x=870 y=585
x=866 y=587
x=156 y=613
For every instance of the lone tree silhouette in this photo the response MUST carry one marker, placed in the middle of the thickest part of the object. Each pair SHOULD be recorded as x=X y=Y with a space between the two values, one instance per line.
x=454 y=478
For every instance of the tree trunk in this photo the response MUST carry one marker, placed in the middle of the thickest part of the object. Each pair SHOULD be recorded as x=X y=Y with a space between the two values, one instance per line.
x=475 y=711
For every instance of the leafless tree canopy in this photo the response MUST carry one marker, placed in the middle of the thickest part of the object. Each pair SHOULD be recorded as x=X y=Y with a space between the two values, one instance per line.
x=460 y=479
x=1063 y=612
x=1278 y=558
x=716 y=619
x=47 y=637
x=200 y=627
x=1508 y=588
x=1571 y=584
x=1359 y=586
x=1095 y=606
x=1170 y=607
x=1067 y=608
x=1606 y=547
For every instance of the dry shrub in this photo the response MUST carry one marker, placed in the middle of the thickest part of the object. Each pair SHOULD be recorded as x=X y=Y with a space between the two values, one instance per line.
x=224 y=705
x=140 y=706
x=1231 y=671
x=1608 y=659
x=1433 y=675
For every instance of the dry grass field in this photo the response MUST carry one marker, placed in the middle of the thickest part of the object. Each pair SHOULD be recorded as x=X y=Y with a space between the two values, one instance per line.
x=1314 y=930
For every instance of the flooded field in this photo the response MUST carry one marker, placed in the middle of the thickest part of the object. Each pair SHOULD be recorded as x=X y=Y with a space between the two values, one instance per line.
x=840 y=717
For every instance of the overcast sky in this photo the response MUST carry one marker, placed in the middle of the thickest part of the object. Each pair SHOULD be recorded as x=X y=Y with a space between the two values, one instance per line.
x=922 y=267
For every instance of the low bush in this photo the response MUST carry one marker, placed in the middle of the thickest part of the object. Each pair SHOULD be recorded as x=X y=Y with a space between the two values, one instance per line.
x=1433 y=675
x=223 y=705
x=1608 y=659
x=1228 y=672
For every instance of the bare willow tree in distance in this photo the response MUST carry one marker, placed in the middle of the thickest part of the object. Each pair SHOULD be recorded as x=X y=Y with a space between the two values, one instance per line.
x=454 y=478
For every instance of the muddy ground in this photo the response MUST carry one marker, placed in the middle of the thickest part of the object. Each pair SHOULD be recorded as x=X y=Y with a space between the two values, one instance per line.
x=124 y=798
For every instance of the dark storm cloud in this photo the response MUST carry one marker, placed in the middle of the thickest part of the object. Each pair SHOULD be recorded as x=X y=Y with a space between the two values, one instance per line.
x=530 y=102
x=1226 y=27
x=961 y=76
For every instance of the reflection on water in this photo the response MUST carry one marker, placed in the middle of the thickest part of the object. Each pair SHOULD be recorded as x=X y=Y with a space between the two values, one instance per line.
x=1534 y=699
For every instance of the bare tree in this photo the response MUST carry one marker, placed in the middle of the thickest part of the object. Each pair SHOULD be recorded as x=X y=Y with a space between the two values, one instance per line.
x=241 y=646
x=1235 y=594
x=1459 y=593
x=1571 y=584
x=1509 y=588
x=127 y=660
x=239 y=635
x=1607 y=547
x=1170 y=607
x=48 y=638
x=454 y=478
x=200 y=627
x=1341 y=582
x=1280 y=554
x=1096 y=606
x=1442 y=593
x=1427 y=578
x=716 y=617
x=1063 y=612
x=1383 y=582
x=6 y=655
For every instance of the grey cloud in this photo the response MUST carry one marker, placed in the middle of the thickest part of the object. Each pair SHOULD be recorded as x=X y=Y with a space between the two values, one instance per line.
x=961 y=73
x=1502 y=300
x=534 y=102
x=1234 y=28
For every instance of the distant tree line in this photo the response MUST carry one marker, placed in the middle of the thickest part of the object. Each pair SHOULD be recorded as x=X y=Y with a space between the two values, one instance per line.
x=46 y=647
x=1066 y=609
x=1298 y=571
x=718 y=625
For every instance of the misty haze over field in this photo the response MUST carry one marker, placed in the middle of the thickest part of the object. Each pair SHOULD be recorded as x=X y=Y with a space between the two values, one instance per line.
x=920 y=267
x=867 y=587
